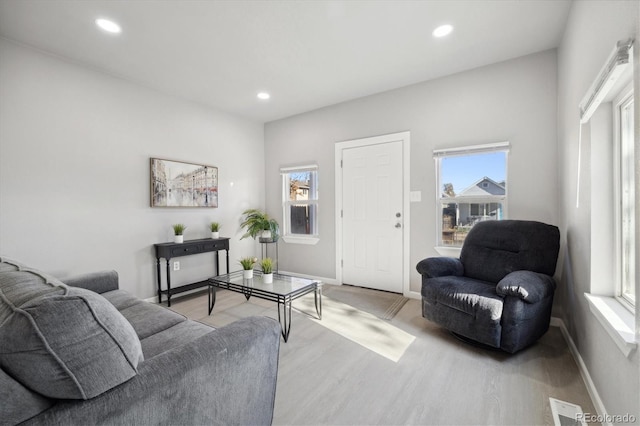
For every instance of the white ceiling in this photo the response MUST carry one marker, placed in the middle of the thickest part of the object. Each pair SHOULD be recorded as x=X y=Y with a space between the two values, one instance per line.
x=307 y=54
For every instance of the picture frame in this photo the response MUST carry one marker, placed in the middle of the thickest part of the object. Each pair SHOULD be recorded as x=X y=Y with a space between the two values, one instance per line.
x=181 y=184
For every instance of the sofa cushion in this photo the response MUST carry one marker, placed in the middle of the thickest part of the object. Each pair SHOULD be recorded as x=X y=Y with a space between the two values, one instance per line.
x=8 y=264
x=495 y=248
x=19 y=403
x=173 y=337
x=121 y=299
x=63 y=342
x=148 y=319
x=472 y=297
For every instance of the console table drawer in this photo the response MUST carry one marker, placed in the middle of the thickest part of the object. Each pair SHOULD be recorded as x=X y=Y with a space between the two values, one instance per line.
x=186 y=250
x=215 y=245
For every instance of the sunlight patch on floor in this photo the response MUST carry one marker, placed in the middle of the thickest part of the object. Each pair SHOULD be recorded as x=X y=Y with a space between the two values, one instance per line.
x=358 y=326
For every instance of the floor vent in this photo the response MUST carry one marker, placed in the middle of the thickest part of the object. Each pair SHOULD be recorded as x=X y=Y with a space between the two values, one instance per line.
x=566 y=414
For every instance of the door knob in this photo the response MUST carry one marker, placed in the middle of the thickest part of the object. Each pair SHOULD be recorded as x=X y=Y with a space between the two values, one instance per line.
x=398 y=225
x=398 y=214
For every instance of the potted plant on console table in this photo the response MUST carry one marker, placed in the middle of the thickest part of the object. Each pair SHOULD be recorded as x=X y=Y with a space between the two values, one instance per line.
x=258 y=223
x=178 y=232
x=215 y=230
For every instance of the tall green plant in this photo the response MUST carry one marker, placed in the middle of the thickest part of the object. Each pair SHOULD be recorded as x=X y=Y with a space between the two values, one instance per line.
x=255 y=221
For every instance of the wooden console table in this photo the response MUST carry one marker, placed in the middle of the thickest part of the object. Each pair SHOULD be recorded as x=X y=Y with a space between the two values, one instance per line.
x=171 y=250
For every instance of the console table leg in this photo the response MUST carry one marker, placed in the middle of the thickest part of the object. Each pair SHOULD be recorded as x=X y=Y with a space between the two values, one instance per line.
x=168 y=282
x=159 y=280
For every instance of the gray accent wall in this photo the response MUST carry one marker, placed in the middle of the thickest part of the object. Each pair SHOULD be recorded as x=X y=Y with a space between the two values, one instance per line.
x=511 y=101
x=74 y=170
x=592 y=31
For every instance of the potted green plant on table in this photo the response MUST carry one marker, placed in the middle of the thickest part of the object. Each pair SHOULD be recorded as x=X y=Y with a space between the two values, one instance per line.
x=267 y=270
x=247 y=266
x=215 y=230
x=178 y=232
x=259 y=224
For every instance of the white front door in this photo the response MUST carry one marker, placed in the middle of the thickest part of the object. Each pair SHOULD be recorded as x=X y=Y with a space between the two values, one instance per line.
x=372 y=216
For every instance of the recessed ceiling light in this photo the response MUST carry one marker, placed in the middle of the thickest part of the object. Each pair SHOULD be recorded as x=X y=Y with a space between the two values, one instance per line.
x=442 y=30
x=264 y=96
x=108 y=26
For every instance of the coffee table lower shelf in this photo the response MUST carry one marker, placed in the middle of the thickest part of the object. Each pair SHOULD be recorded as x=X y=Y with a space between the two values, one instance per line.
x=283 y=290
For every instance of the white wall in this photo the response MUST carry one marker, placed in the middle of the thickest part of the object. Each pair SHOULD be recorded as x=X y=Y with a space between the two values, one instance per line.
x=74 y=170
x=592 y=30
x=511 y=101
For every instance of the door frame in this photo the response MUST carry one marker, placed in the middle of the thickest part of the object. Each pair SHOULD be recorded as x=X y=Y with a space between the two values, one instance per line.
x=405 y=138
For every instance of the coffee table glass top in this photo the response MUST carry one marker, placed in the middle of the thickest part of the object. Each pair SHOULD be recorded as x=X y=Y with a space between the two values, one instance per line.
x=282 y=285
x=283 y=290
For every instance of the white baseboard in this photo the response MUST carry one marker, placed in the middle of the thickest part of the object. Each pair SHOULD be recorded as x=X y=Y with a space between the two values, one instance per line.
x=154 y=299
x=582 y=367
x=324 y=280
x=413 y=295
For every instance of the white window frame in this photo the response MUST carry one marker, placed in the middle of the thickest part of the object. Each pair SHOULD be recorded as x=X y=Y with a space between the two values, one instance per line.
x=438 y=155
x=624 y=183
x=287 y=236
x=617 y=317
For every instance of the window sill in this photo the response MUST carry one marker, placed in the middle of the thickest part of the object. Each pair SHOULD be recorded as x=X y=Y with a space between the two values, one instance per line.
x=310 y=240
x=448 y=251
x=616 y=320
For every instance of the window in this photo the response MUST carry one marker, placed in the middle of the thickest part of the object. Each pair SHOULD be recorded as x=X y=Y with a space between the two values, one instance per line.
x=300 y=204
x=472 y=187
x=625 y=195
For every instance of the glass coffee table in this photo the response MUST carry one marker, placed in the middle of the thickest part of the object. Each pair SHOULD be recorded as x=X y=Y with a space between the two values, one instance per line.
x=283 y=290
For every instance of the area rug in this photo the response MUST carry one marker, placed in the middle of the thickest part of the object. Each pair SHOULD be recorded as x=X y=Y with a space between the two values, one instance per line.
x=359 y=326
x=382 y=304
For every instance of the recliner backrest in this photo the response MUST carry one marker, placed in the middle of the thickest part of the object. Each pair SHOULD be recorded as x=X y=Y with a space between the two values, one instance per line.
x=495 y=248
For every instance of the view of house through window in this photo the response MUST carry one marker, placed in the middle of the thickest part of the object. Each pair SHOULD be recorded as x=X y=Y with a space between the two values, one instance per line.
x=472 y=188
x=300 y=201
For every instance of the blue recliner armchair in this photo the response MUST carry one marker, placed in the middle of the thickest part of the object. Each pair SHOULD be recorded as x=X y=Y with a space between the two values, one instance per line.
x=500 y=292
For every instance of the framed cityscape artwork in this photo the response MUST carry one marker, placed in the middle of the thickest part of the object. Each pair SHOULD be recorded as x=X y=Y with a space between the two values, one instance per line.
x=178 y=184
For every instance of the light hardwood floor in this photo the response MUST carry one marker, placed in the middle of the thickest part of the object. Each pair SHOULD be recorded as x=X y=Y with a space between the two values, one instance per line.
x=324 y=378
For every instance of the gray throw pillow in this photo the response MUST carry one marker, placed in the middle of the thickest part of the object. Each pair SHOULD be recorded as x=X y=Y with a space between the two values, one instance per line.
x=63 y=342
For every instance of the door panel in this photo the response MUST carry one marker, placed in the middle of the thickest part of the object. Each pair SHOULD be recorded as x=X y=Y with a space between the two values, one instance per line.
x=372 y=216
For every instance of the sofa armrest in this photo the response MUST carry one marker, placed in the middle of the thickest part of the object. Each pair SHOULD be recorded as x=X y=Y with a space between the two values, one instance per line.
x=100 y=282
x=434 y=267
x=226 y=377
x=529 y=286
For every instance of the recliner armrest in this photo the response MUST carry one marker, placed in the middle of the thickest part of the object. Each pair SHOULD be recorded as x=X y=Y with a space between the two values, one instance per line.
x=529 y=286
x=434 y=267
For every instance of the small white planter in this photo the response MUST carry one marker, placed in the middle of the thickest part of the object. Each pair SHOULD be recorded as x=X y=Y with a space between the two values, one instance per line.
x=247 y=274
x=267 y=278
x=215 y=235
x=178 y=239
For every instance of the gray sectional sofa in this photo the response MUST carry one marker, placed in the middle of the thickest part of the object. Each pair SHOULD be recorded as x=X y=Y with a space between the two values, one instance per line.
x=85 y=352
